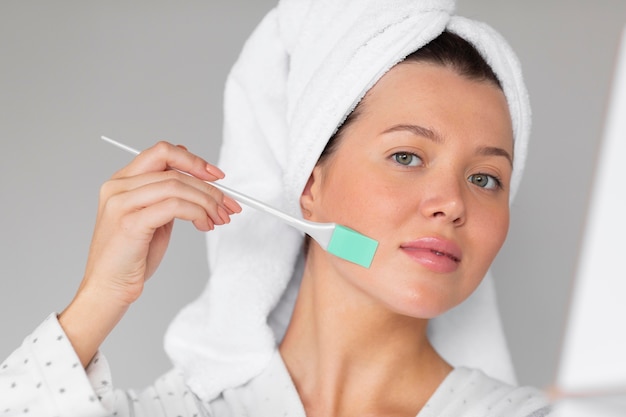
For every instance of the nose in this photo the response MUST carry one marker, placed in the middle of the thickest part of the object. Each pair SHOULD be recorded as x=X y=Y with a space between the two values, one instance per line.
x=443 y=201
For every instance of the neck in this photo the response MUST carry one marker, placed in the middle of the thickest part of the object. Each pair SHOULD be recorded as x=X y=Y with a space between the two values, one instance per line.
x=349 y=354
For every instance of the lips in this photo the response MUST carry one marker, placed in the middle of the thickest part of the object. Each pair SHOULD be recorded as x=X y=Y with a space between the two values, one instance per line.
x=437 y=254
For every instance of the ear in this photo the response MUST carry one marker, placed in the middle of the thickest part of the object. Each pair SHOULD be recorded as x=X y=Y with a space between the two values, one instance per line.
x=310 y=195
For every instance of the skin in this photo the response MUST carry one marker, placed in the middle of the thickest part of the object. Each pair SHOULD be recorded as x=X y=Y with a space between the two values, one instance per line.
x=357 y=342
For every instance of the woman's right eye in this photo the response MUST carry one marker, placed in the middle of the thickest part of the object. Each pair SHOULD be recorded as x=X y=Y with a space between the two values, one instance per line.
x=407 y=159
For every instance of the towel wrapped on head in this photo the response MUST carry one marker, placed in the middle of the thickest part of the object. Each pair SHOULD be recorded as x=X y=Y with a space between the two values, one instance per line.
x=300 y=74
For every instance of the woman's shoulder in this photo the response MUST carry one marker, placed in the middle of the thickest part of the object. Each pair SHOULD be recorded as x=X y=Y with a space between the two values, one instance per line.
x=469 y=391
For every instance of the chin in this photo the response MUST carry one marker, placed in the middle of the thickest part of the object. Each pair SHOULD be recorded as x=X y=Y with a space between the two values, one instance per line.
x=422 y=304
x=426 y=295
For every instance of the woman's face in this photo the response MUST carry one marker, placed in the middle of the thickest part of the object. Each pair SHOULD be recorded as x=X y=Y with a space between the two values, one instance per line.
x=425 y=170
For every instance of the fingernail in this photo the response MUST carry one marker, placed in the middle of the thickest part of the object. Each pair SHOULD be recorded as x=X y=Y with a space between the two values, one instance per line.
x=231 y=204
x=213 y=170
x=182 y=147
x=223 y=215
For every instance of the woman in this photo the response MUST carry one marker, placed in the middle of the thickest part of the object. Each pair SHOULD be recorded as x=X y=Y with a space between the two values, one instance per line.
x=424 y=165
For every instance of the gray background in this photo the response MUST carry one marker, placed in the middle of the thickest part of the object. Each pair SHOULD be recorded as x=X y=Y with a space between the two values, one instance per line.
x=146 y=70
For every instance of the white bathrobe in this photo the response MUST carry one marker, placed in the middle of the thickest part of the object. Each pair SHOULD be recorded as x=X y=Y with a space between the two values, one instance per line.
x=44 y=378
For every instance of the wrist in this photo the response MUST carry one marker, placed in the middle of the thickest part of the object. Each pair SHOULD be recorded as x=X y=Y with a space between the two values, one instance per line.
x=89 y=319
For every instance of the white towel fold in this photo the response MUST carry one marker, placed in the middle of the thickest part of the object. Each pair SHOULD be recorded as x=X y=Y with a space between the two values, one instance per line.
x=302 y=71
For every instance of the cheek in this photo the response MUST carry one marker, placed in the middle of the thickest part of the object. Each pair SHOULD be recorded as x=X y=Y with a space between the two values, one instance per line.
x=500 y=226
x=363 y=204
x=489 y=233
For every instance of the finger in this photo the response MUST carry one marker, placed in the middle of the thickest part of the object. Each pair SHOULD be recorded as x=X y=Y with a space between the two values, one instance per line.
x=163 y=156
x=231 y=205
x=150 y=218
x=153 y=193
x=117 y=186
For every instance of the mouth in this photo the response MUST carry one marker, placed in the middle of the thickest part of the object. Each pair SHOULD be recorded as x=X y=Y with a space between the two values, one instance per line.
x=436 y=254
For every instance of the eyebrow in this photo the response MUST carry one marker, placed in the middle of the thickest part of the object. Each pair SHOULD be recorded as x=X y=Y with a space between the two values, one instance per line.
x=418 y=131
x=435 y=137
x=495 y=151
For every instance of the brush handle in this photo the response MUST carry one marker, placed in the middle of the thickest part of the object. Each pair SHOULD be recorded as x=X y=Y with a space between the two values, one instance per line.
x=254 y=203
x=321 y=232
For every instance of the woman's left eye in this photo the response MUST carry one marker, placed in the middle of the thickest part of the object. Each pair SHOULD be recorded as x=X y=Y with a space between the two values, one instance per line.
x=407 y=159
x=485 y=181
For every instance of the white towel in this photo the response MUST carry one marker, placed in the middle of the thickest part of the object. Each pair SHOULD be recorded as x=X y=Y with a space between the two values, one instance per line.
x=302 y=71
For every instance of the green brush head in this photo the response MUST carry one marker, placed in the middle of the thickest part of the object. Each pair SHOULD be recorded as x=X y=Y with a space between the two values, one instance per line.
x=352 y=246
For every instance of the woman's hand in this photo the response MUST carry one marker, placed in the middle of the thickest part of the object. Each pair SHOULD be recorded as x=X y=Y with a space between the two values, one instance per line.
x=136 y=212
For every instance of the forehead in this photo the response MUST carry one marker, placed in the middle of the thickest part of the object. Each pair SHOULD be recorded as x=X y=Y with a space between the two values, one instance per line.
x=439 y=97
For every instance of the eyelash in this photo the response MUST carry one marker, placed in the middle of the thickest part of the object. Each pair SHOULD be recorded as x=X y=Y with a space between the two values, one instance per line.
x=395 y=156
x=498 y=181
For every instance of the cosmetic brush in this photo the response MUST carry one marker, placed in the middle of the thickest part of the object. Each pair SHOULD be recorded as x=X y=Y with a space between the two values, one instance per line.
x=339 y=240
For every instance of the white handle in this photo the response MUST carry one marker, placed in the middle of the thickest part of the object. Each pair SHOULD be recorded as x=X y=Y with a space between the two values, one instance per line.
x=302 y=225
